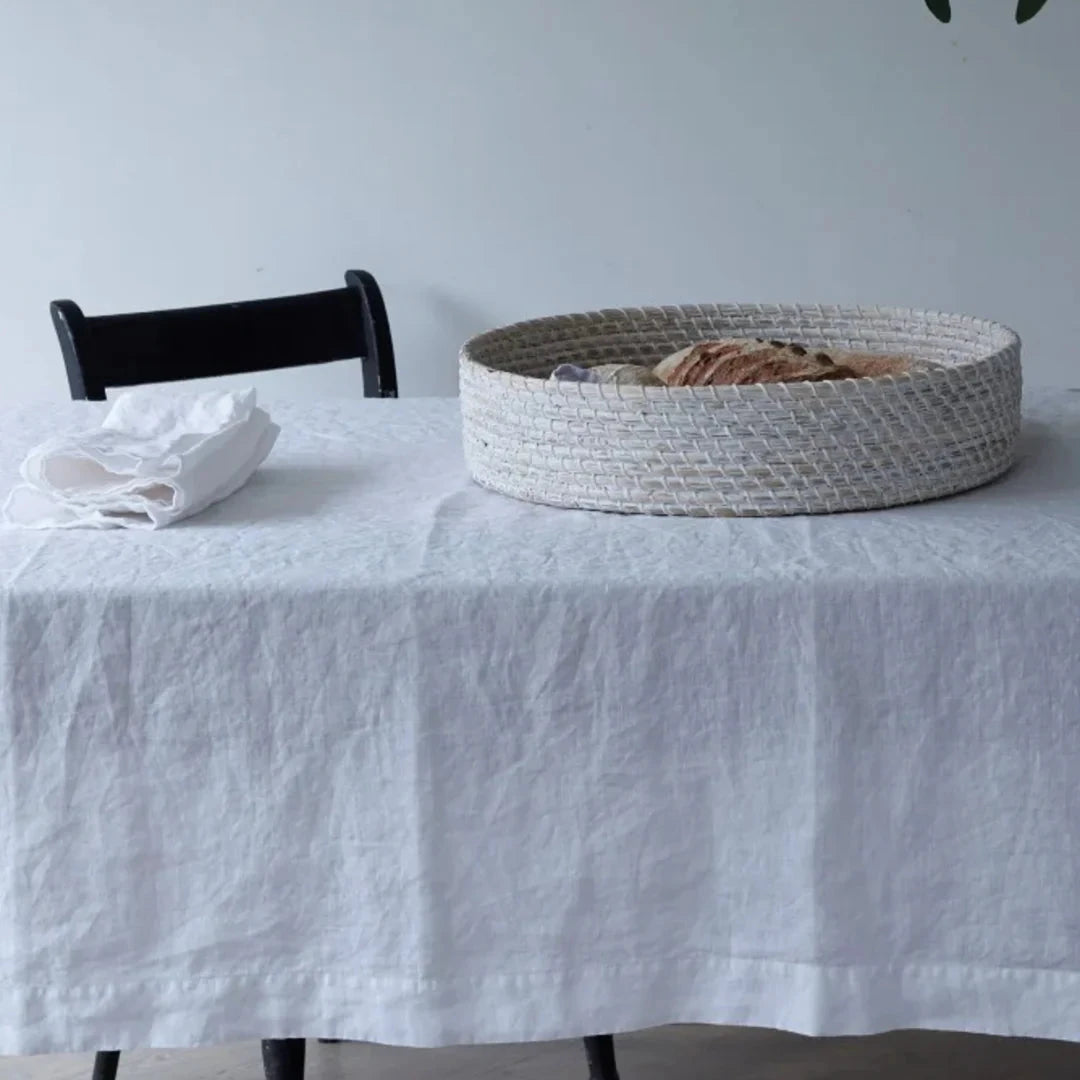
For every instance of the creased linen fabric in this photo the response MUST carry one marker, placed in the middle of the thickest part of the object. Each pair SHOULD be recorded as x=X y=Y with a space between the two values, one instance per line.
x=369 y=752
x=159 y=456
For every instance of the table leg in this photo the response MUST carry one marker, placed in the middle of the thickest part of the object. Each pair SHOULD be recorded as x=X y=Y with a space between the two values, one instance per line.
x=600 y=1052
x=283 y=1059
x=106 y=1063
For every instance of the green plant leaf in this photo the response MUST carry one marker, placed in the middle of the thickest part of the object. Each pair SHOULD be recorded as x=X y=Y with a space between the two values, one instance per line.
x=1028 y=9
x=942 y=9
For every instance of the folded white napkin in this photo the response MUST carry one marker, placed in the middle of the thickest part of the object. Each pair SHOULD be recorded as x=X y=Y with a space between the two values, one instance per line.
x=157 y=457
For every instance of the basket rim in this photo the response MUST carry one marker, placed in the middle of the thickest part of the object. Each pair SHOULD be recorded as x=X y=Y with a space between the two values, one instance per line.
x=1006 y=340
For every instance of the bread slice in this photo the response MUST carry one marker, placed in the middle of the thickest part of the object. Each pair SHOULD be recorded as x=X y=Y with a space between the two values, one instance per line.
x=743 y=361
x=739 y=361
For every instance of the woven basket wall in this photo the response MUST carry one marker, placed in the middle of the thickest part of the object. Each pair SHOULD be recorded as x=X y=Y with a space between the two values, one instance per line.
x=779 y=448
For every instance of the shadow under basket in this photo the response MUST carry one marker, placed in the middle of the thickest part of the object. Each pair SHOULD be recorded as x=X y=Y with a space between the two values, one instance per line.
x=730 y=451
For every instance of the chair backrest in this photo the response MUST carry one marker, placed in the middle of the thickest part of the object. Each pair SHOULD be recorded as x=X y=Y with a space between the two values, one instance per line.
x=104 y=351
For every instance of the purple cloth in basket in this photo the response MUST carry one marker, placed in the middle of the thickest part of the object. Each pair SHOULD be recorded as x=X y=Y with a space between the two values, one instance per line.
x=573 y=373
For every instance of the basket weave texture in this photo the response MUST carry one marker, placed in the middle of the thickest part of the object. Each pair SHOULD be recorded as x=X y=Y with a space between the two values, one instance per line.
x=768 y=449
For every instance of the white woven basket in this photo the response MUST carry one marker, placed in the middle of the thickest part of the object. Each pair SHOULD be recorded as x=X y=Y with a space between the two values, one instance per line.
x=778 y=448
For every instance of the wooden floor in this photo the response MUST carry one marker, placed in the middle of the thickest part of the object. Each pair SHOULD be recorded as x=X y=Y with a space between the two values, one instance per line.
x=676 y=1053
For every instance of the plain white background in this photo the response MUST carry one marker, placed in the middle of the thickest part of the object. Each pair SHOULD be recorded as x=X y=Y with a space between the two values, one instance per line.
x=491 y=160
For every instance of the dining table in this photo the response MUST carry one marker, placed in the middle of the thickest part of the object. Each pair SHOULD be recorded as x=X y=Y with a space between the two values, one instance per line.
x=366 y=751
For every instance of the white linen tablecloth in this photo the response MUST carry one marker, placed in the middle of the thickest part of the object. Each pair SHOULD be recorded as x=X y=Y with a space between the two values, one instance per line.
x=367 y=751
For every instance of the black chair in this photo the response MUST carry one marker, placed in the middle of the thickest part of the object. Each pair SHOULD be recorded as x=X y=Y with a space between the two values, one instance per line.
x=283 y=1059
x=105 y=351
x=600 y=1052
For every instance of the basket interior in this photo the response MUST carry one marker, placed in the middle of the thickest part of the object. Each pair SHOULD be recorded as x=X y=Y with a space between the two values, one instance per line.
x=647 y=335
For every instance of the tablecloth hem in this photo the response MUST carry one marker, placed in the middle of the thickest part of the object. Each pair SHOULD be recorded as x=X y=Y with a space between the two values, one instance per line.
x=805 y=998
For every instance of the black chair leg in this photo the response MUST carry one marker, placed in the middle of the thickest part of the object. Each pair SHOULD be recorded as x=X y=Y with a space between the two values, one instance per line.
x=600 y=1051
x=106 y=1062
x=283 y=1059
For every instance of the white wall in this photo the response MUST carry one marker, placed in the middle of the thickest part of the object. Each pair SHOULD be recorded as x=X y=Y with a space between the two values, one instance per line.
x=495 y=159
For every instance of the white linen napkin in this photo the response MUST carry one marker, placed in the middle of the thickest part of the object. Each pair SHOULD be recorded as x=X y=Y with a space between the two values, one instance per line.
x=158 y=457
